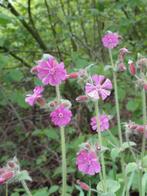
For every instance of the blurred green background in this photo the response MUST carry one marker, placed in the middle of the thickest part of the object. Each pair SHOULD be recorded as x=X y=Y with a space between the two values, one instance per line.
x=70 y=30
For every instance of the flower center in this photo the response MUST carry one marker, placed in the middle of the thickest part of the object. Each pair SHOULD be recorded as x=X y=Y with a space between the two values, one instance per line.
x=98 y=87
x=52 y=71
x=60 y=115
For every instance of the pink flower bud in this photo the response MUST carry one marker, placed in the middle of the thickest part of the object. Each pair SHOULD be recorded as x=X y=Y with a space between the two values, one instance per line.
x=73 y=75
x=132 y=68
x=34 y=70
x=121 y=67
x=5 y=175
x=83 y=185
x=145 y=86
x=41 y=101
x=82 y=98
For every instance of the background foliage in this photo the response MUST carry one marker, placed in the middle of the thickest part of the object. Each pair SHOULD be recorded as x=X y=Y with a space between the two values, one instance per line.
x=71 y=31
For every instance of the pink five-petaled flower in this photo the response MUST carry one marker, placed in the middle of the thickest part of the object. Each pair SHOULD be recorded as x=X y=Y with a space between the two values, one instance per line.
x=61 y=116
x=99 y=87
x=87 y=162
x=50 y=71
x=111 y=40
x=31 y=99
x=104 y=122
x=5 y=175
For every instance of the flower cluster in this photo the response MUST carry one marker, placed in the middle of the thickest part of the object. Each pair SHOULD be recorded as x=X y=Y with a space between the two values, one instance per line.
x=50 y=72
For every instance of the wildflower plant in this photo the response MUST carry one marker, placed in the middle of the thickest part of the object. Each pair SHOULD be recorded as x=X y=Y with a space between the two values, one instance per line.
x=11 y=173
x=52 y=73
x=91 y=159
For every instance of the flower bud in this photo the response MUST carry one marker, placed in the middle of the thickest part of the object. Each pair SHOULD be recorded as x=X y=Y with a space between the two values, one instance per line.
x=82 y=98
x=66 y=103
x=83 y=185
x=41 y=101
x=73 y=75
x=132 y=68
x=121 y=67
x=34 y=70
x=145 y=86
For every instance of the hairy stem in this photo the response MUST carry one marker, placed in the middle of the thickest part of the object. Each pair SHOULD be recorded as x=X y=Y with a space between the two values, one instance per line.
x=26 y=188
x=100 y=143
x=144 y=122
x=6 y=189
x=118 y=116
x=63 y=149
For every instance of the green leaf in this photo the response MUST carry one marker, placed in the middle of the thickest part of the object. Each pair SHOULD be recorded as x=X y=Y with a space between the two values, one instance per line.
x=144 y=184
x=53 y=189
x=130 y=181
x=80 y=189
x=144 y=161
x=4 y=19
x=16 y=75
x=131 y=167
x=115 y=153
x=108 y=194
x=112 y=186
x=133 y=105
x=42 y=192
x=23 y=175
x=50 y=133
x=126 y=145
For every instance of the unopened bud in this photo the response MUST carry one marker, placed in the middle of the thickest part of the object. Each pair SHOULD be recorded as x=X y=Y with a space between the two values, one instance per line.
x=73 y=75
x=145 y=86
x=52 y=104
x=34 y=70
x=132 y=68
x=41 y=101
x=121 y=67
x=83 y=185
x=82 y=98
x=66 y=103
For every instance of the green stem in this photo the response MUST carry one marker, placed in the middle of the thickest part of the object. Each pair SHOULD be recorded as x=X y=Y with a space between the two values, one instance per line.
x=118 y=116
x=64 y=169
x=116 y=99
x=6 y=189
x=100 y=143
x=63 y=149
x=58 y=93
x=144 y=122
x=26 y=188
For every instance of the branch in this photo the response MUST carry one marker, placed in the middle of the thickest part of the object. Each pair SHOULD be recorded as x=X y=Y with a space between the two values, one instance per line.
x=31 y=30
x=52 y=27
x=30 y=13
x=15 y=56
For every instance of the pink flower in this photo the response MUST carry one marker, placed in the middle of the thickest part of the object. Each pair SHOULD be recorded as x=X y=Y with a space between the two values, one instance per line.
x=104 y=122
x=87 y=162
x=99 y=87
x=5 y=175
x=61 y=116
x=50 y=71
x=31 y=99
x=111 y=40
